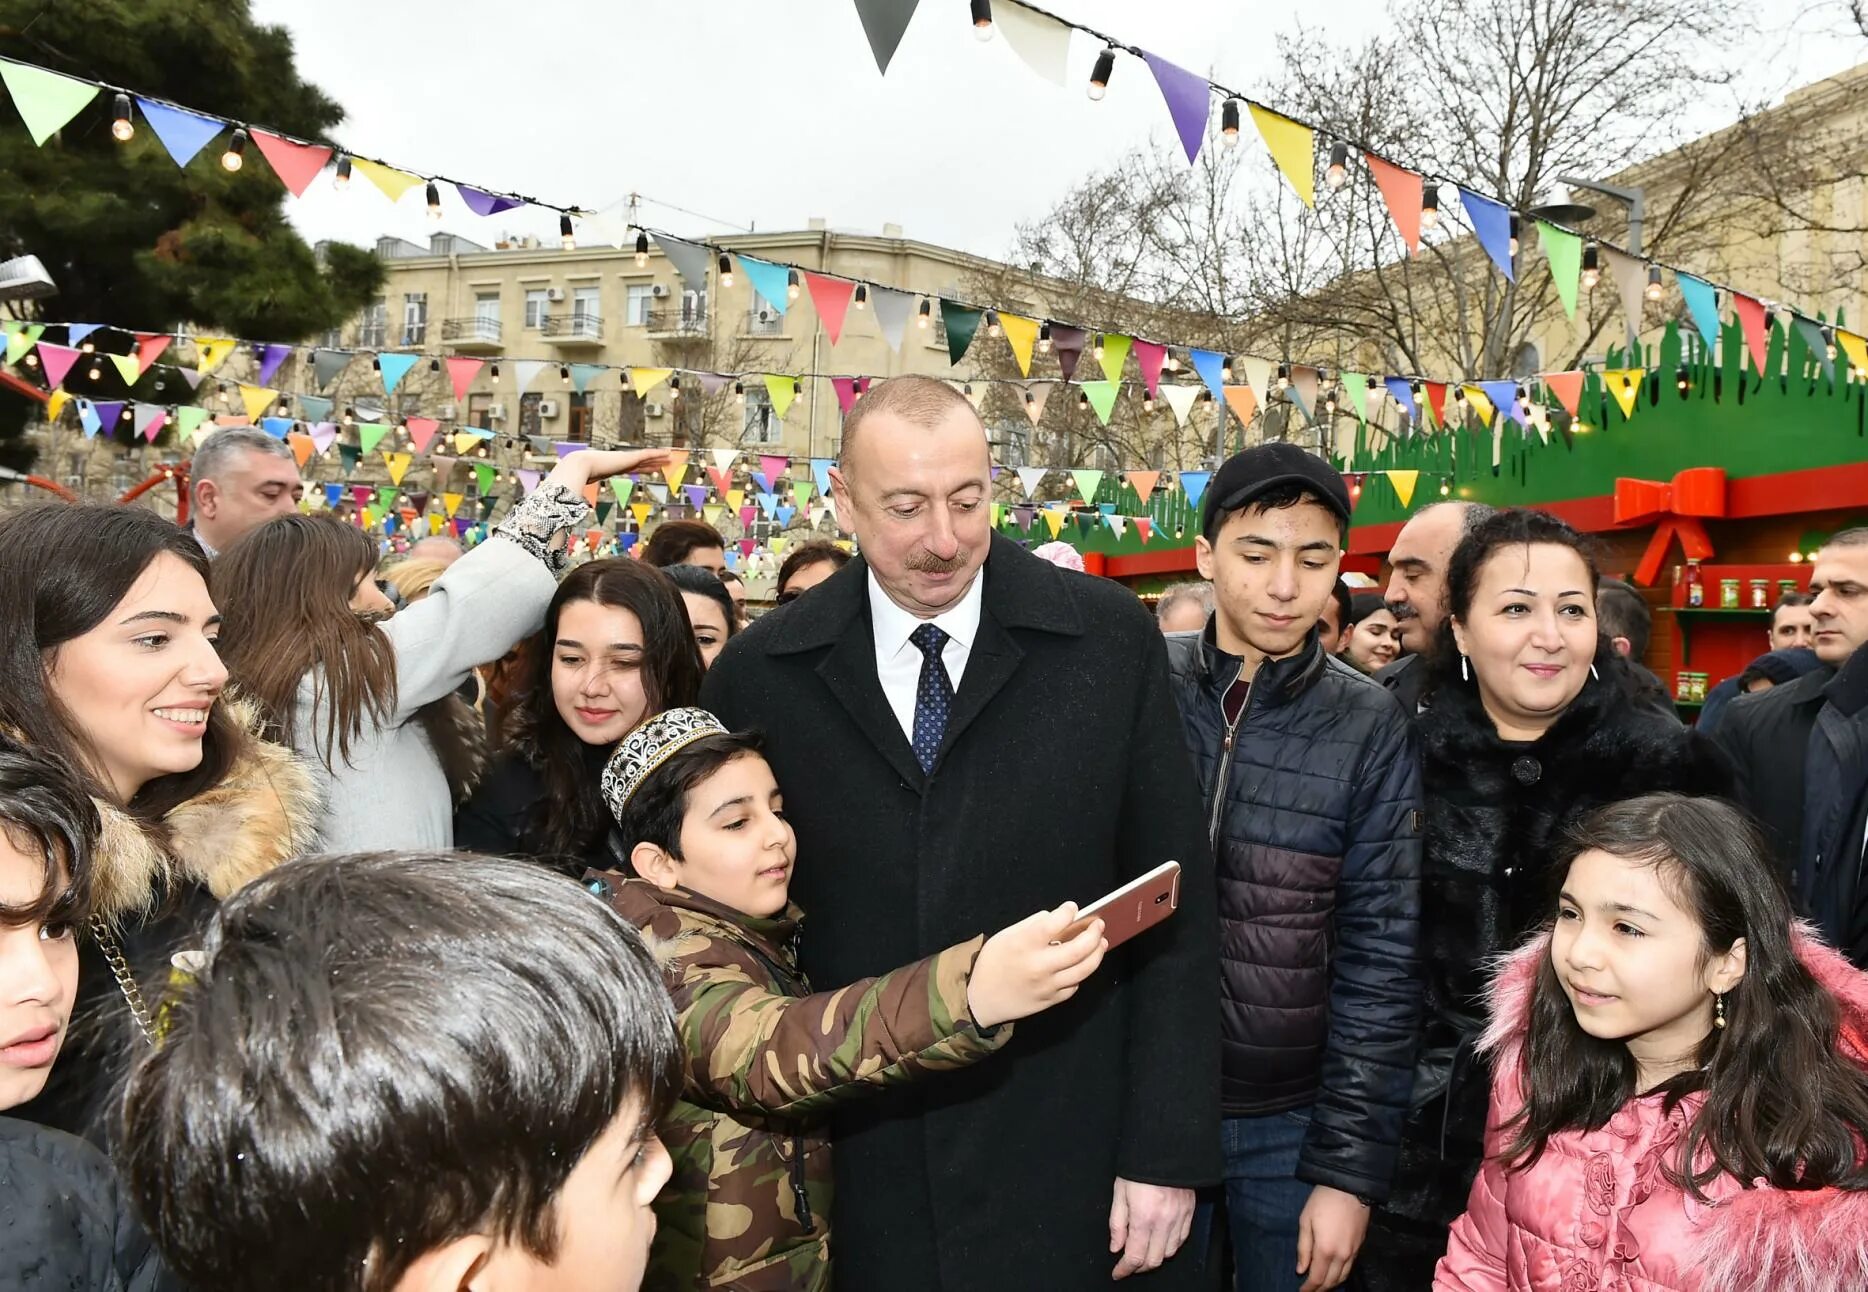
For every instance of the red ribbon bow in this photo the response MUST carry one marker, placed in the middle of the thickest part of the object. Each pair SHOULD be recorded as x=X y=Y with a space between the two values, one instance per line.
x=1679 y=506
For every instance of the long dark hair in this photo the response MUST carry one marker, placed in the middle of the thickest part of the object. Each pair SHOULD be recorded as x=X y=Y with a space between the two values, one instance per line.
x=287 y=586
x=1510 y=527
x=1781 y=1104
x=571 y=817
x=703 y=582
x=63 y=568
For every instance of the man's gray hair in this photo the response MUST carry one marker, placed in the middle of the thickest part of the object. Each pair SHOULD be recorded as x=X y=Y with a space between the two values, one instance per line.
x=220 y=449
x=1195 y=590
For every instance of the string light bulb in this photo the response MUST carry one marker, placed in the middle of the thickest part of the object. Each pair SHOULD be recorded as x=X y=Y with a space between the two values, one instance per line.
x=564 y=374
x=122 y=127
x=341 y=180
x=1225 y=369
x=860 y=298
x=1284 y=377
x=1100 y=74
x=1653 y=282
x=982 y=19
x=1098 y=351
x=739 y=392
x=797 y=388
x=1044 y=338
x=1446 y=487
x=495 y=374
x=1592 y=267
x=642 y=250
x=791 y=285
x=726 y=270
x=1513 y=244
x=89 y=346
x=97 y=372
x=1338 y=173
x=434 y=201
x=1229 y=123
x=1681 y=379
x=1430 y=206
x=1829 y=343
x=235 y=156
x=926 y=315
x=1148 y=403
x=565 y=233
x=992 y=324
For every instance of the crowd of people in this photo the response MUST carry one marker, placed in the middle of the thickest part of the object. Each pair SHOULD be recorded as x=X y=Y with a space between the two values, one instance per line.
x=480 y=920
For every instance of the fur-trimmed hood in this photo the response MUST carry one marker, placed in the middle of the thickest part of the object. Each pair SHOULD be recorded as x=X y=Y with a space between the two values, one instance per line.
x=1757 y=1239
x=263 y=812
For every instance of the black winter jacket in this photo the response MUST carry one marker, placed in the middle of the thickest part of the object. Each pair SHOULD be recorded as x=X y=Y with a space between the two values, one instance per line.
x=64 y=1220
x=1313 y=810
x=506 y=816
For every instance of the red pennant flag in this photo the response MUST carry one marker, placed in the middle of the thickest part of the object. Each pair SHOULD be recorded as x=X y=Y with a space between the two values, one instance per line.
x=462 y=372
x=1757 y=331
x=1436 y=399
x=1401 y=189
x=1150 y=356
x=295 y=164
x=149 y=347
x=1144 y=527
x=831 y=296
x=1567 y=387
x=422 y=432
x=722 y=480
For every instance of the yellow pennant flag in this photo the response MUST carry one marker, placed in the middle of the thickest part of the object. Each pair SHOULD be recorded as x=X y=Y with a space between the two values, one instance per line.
x=1480 y=404
x=1054 y=519
x=257 y=399
x=736 y=498
x=1625 y=385
x=1404 y=482
x=211 y=350
x=398 y=465
x=465 y=440
x=55 y=404
x=452 y=501
x=127 y=367
x=782 y=390
x=1855 y=348
x=777 y=542
x=713 y=511
x=436 y=523
x=393 y=182
x=675 y=473
x=643 y=380
x=641 y=512
x=1021 y=334
x=1293 y=146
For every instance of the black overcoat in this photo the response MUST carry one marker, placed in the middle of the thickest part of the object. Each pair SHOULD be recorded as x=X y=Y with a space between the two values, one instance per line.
x=1062 y=775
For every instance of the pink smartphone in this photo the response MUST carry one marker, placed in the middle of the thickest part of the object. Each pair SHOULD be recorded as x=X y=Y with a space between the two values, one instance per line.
x=1135 y=907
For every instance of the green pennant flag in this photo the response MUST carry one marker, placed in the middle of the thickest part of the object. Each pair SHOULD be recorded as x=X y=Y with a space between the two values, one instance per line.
x=603 y=510
x=1087 y=483
x=46 y=100
x=781 y=391
x=1356 y=386
x=127 y=368
x=370 y=435
x=622 y=487
x=1102 y=396
x=188 y=419
x=21 y=339
x=347 y=455
x=486 y=474
x=1564 y=251
x=961 y=324
x=1115 y=354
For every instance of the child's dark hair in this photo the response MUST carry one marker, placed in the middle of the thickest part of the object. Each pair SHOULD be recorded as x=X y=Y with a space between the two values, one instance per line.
x=1277 y=498
x=656 y=810
x=1781 y=1103
x=382 y=1054
x=44 y=809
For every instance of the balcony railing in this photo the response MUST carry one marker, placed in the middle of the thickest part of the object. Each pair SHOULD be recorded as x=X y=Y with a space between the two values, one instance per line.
x=677 y=322
x=471 y=331
x=572 y=327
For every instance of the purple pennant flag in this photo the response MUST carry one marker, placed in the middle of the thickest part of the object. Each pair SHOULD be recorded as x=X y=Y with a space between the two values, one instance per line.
x=566 y=448
x=712 y=383
x=1188 y=98
x=108 y=415
x=528 y=480
x=1491 y=225
x=1026 y=513
x=1067 y=344
x=270 y=357
x=697 y=495
x=481 y=202
x=1403 y=391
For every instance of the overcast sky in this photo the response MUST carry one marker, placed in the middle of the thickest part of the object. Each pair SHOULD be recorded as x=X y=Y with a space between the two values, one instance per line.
x=770 y=112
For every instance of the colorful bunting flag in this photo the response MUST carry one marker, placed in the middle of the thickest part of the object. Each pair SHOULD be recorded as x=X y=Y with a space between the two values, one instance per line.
x=1030 y=477
x=149 y=348
x=643 y=380
x=57 y=361
x=1142 y=482
x=1102 y=397
x=1149 y=356
x=1702 y=304
x=325 y=366
x=768 y=280
x=1818 y=345
x=1037 y=394
x=884 y=22
x=1211 y=366
x=422 y=432
x=149 y=419
x=1751 y=322
x=782 y=391
x=257 y=399
x=1402 y=190
x=1193 y=484
x=1630 y=276
x=1853 y=346
x=1243 y=403
x=398 y=466
x=830 y=297
x=1504 y=395
x=1356 y=386
x=1625 y=385
x=369 y=436
x=1087 y=482
x=182 y=132
x=1180 y=399
x=891 y=309
x=1564 y=253
x=1403 y=482
x=1038 y=39
x=211 y=351
x=1491 y=225
x=45 y=100
x=1021 y=334
x=1115 y=354
x=1188 y=99
x=1403 y=392
x=1293 y=148
x=961 y=323
x=127 y=367
x=294 y=163
x=481 y=202
x=394 y=183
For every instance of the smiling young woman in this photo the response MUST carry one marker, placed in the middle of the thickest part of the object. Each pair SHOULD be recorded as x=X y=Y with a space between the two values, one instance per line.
x=110 y=664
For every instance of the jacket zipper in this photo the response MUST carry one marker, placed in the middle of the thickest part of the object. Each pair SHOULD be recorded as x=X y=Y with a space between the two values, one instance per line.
x=1225 y=753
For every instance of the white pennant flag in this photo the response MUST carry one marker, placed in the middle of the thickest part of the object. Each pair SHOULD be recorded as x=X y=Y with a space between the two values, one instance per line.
x=1029 y=477
x=525 y=370
x=723 y=458
x=1180 y=399
x=892 y=309
x=1257 y=376
x=1042 y=42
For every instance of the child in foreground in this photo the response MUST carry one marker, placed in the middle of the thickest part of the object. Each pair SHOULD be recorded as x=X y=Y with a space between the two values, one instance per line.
x=1679 y=1101
x=748 y=1207
x=419 y=1072
x=64 y=1222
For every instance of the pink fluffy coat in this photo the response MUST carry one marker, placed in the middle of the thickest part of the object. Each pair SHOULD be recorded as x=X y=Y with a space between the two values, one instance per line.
x=1597 y=1214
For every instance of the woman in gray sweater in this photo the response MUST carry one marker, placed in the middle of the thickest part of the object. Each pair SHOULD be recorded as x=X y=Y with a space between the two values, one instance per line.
x=307 y=635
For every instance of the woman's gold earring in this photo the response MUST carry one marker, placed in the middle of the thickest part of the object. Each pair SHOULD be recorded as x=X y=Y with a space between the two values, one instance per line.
x=1718 y=1009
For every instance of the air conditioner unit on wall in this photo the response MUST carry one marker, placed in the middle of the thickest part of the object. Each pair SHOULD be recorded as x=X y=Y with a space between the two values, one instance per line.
x=653 y=410
x=547 y=408
x=659 y=291
x=496 y=412
x=554 y=293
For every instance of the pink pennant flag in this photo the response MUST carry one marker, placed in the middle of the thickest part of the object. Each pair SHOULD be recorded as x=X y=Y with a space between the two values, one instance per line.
x=362 y=495
x=1757 y=330
x=722 y=480
x=746 y=545
x=747 y=515
x=57 y=361
x=422 y=431
x=462 y=372
x=831 y=296
x=295 y=164
x=1402 y=190
x=773 y=467
x=848 y=388
x=1150 y=356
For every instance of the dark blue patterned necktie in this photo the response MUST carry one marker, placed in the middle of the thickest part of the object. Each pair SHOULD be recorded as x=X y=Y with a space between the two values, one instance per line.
x=933 y=697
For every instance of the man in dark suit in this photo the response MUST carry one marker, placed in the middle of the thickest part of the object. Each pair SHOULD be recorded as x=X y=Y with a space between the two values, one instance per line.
x=966 y=734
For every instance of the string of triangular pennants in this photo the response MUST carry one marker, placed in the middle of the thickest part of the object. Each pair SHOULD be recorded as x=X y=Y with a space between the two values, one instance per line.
x=48 y=100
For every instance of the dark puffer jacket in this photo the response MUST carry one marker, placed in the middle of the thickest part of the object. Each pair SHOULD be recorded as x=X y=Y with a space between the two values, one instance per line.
x=64 y=1220
x=1496 y=813
x=1313 y=808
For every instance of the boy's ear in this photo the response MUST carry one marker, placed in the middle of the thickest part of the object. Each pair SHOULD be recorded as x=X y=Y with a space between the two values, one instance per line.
x=455 y=1267
x=653 y=864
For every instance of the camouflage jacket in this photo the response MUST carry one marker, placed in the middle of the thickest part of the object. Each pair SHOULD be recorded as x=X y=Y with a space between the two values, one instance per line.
x=748 y=1206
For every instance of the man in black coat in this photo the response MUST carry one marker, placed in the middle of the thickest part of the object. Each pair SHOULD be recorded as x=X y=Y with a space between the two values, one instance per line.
x=1801 y=750
x=1315 y=824
x=966 y=734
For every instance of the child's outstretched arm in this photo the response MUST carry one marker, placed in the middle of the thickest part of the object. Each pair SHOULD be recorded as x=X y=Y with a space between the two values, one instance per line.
x=755 y=1050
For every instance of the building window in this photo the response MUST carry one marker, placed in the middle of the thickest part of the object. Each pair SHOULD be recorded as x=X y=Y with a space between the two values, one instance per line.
x=486 y=308
x=580 y=418
x=480 y=412
x=762 y=425
x=636 y=305
x=333 y=339
x=631 y=425
x=529 y=421
x=537 y=308
x=765 y=321
x=373 y=335
x=415 y=318
x=694 y=308
x=584 y=311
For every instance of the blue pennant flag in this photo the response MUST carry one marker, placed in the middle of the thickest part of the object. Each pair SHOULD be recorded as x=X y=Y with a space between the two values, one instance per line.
x=277 y=427
x=769 y=280
x=395 y=367
x=182 y=132
x=333 y=494
x=1210 y=365
x=1491 y=225
x=1504 y=397
x=1193 y=484
x=820 y=471
x=581 y=373
x=1702 y=302
x=1403 y=391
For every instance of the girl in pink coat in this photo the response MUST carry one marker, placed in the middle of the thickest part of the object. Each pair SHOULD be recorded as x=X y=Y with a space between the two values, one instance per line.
x=1680 y=1098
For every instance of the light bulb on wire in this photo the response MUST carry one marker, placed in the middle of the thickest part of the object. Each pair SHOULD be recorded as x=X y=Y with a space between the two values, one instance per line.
x=434 y=201
x=122 y=128
x=1044 y=339
x=1338 y=173
x=791 y=285
x=566 y=236
x=341 y=180
x=860 y=298
x=642 y=250
x=1592 y=267
x=1100 y=74
x=982 y=19
x=1229 y=123
x=1513 y=245
x=1653 y=292
x=235 y=156
x=1430 y=207
x=925 y=317
x=992 y=324
x=726 y=270
x=1098 y=350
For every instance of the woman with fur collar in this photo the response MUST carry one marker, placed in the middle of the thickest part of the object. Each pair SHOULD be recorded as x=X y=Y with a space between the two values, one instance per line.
x=1681 y=1098
x=1526 y=727
x=110 y=665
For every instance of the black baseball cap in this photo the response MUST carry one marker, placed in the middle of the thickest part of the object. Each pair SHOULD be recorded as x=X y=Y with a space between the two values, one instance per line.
x=1263 y=467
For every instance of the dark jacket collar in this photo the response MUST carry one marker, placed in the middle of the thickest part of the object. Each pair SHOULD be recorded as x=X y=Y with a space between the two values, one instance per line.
x=774 y=936
x=1847 y=690
x=1021 y=591
x=1278 y=681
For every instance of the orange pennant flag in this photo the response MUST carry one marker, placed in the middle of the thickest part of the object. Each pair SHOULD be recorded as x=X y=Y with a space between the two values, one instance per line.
x=1243 y=403
x=302 y=447
x=1567 y=387
x=1401 y=189
x=1142 y=482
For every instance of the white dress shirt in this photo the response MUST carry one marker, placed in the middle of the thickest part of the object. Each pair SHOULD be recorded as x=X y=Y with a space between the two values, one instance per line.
x=898 y=660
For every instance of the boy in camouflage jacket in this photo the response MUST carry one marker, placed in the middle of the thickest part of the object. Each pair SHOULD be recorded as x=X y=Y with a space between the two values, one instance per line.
x=749 y=1203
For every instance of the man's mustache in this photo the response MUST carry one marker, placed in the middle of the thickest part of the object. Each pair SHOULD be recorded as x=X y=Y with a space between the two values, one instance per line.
x=1402 y=610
